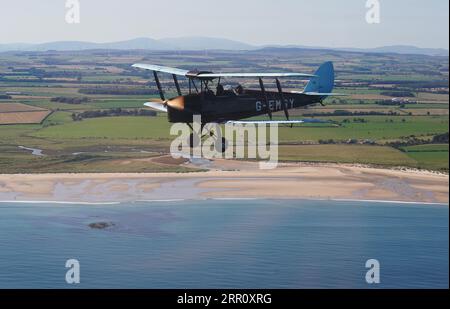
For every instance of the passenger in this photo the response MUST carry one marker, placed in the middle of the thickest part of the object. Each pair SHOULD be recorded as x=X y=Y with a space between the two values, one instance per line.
x=229 y=91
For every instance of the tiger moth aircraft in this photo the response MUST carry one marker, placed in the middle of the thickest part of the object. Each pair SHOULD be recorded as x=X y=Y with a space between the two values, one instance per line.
x=232 y=105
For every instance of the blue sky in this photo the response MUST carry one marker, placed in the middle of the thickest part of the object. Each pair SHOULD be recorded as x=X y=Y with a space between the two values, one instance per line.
x=332 y=23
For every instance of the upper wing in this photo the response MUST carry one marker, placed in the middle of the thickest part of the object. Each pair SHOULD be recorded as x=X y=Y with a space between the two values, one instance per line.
x=209 y=75
x=217 y=75
x=159 y=68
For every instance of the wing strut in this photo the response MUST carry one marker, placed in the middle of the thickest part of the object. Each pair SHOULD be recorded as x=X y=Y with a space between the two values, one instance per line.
x=175 y=80
x=263 y=90
x=158 y=84
x=283 y=102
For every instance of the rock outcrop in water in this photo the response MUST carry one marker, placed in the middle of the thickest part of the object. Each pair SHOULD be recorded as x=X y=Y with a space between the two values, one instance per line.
x=101 y=225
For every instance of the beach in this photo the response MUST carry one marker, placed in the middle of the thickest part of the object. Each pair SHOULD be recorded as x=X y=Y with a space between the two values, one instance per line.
x=230 y=179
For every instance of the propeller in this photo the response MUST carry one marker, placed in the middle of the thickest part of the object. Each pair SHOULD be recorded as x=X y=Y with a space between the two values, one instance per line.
x=177 y=103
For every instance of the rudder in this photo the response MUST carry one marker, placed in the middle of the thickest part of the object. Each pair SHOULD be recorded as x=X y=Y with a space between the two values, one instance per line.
x=324 y=82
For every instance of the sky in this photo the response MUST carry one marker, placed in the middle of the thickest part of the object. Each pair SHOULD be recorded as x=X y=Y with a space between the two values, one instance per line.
x=328 y=23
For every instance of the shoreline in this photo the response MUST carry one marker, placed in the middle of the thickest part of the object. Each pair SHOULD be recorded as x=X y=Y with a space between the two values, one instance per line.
x=233 y=180
x=223 y=199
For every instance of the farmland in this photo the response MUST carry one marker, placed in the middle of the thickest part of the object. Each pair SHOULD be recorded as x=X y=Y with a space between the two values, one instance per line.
x=362 y=154
x=429 y=156
x=41 y=92
x=18 y=113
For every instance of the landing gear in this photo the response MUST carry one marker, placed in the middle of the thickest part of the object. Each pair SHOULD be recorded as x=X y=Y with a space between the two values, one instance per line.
x=221 y=145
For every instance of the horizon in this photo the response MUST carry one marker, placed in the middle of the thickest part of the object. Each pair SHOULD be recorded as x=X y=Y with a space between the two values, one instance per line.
x=288 y=45
x=252 y=22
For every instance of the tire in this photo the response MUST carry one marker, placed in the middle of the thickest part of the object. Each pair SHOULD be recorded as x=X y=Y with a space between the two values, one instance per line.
x=222 y=147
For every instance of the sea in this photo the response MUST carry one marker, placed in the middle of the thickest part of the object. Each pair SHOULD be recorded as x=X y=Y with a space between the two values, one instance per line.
x=266 y=244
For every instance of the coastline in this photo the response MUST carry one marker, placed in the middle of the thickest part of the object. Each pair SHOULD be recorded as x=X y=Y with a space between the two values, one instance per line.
x=233 y=180
x=221 y=199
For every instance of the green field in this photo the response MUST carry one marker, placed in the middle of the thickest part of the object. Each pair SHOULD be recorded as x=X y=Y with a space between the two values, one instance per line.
x=429 y=156
x=60 y=136
x=378 y=155
x=109 y=128
x=376 y=128
x=112 y=138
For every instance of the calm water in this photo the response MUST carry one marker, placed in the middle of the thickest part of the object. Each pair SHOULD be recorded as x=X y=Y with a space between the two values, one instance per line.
x=223 y=244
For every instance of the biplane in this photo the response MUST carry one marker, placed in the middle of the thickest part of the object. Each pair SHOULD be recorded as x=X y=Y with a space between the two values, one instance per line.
x=208 y=97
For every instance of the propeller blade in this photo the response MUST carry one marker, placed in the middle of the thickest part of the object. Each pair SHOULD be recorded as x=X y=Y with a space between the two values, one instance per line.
x=159 y=106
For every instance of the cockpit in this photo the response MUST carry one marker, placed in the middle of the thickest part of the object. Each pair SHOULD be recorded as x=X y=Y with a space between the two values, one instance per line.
x=207 y=90
x=229 y=90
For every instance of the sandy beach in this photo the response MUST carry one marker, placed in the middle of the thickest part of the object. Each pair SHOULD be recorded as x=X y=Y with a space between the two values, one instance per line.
x=233 y=179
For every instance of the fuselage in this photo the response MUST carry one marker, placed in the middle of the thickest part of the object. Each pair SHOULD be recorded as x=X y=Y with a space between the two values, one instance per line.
x=232 y=106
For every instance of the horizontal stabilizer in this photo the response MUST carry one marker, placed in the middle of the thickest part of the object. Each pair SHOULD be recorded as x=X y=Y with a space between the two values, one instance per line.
x=159 y=106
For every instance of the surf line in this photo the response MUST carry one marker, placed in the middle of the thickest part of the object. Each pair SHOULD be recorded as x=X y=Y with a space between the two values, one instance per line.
x=60 y=202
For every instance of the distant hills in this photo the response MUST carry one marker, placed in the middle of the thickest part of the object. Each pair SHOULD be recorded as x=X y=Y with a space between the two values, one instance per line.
x=404 y=49
x=205 y=43
x=394 y=49
x=201 y=43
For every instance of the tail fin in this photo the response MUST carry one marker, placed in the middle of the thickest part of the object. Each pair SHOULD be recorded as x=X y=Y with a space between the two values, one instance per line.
x=324 y=82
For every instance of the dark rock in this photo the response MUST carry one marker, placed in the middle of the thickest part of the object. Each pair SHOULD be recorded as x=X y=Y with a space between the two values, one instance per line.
x=101 y=225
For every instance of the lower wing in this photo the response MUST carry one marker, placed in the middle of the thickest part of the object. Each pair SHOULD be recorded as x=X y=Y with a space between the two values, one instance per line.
x=280 y=121
x=320 y=94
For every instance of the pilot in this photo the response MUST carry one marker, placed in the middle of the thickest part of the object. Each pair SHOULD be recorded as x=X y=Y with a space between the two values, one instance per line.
x=219 y=90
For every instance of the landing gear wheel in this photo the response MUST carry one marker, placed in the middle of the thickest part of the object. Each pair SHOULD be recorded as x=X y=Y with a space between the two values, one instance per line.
x=222 y=146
